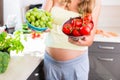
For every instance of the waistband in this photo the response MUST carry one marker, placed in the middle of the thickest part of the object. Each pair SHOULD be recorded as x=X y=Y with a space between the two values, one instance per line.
x=76 y=60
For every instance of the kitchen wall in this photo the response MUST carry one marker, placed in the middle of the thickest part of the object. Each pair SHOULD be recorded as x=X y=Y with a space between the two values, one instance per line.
x=109 y=19
x=110 y=2
x=17 y=9
x=12 y=9
x=109 y=16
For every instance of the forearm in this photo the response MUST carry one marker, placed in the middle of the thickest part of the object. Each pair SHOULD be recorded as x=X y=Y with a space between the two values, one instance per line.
x=47 y=5
x=88 y=40
x=95 y=16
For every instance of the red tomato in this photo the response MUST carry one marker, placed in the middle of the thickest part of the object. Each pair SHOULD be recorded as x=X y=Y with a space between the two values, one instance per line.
x=75 y=33
x=67 y=28
x=73 y=22
x=33 y=35
x=85 y=30
x=87 y=17
x=37 y=35
x=89 y=24
x=77 y=28
x=78 y=22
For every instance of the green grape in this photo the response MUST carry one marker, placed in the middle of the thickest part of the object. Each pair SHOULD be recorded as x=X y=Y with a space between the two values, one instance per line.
x=34 y=14
x=41 y=23
x=47 y=13
x=29 y=20
x=33 y=23
x=39 y=18
x=31 y=13
x=32 y=18
x=43 y=26
x=35 y=9
x=37 y=23
x=50 y=19
x=49 y=24
x=43 y=18
x=27 y=14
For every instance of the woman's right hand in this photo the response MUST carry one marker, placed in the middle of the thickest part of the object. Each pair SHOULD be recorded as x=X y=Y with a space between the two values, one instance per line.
x=47 y=30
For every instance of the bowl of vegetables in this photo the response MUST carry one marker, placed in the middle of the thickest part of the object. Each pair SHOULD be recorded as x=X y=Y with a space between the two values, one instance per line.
x=38 y=19
x=77 y=27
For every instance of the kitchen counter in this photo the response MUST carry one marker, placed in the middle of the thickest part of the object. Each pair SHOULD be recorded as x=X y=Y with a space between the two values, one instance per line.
x=108 y=34
x=21 y=65
x=101 y=38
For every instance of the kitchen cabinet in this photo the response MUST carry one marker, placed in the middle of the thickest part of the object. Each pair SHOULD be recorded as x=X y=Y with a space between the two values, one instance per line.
x=104 y=61
x=35 y=74
x=38 y=73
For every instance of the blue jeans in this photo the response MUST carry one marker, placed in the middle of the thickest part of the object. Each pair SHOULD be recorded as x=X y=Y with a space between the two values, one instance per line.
x=75 y=69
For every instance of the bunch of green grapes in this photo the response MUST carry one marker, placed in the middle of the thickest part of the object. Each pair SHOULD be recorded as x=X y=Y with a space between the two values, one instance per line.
x=39 y=18
x=4 y=61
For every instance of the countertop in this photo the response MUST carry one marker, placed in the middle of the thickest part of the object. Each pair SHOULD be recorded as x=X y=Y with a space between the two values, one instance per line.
x=21 y=65
x=108 y=34
x=101 y=38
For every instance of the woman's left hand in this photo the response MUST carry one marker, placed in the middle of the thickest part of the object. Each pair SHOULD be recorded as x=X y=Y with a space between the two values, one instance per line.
x=84 y=41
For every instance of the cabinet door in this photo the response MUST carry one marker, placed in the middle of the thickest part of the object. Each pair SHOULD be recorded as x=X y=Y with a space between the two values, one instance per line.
x=38 y=73
x=105 y=66
x=34 y=75
x=105 y=47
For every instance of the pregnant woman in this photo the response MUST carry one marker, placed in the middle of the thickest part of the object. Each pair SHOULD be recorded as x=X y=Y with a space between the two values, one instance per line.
x=66 y=59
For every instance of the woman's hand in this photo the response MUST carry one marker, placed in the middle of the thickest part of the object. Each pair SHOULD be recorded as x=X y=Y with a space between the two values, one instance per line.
x=88 y=40
x=47 y=30
x=82 y=41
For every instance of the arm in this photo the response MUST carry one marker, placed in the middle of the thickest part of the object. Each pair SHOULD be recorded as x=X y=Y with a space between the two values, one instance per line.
x=48 y=5
x=88 y=40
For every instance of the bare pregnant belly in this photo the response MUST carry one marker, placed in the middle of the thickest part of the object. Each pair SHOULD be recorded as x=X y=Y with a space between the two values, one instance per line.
x=63 y=54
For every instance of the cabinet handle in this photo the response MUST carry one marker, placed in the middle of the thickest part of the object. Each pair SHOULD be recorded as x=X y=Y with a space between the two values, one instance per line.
x=106 y=47
x=106 y=59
